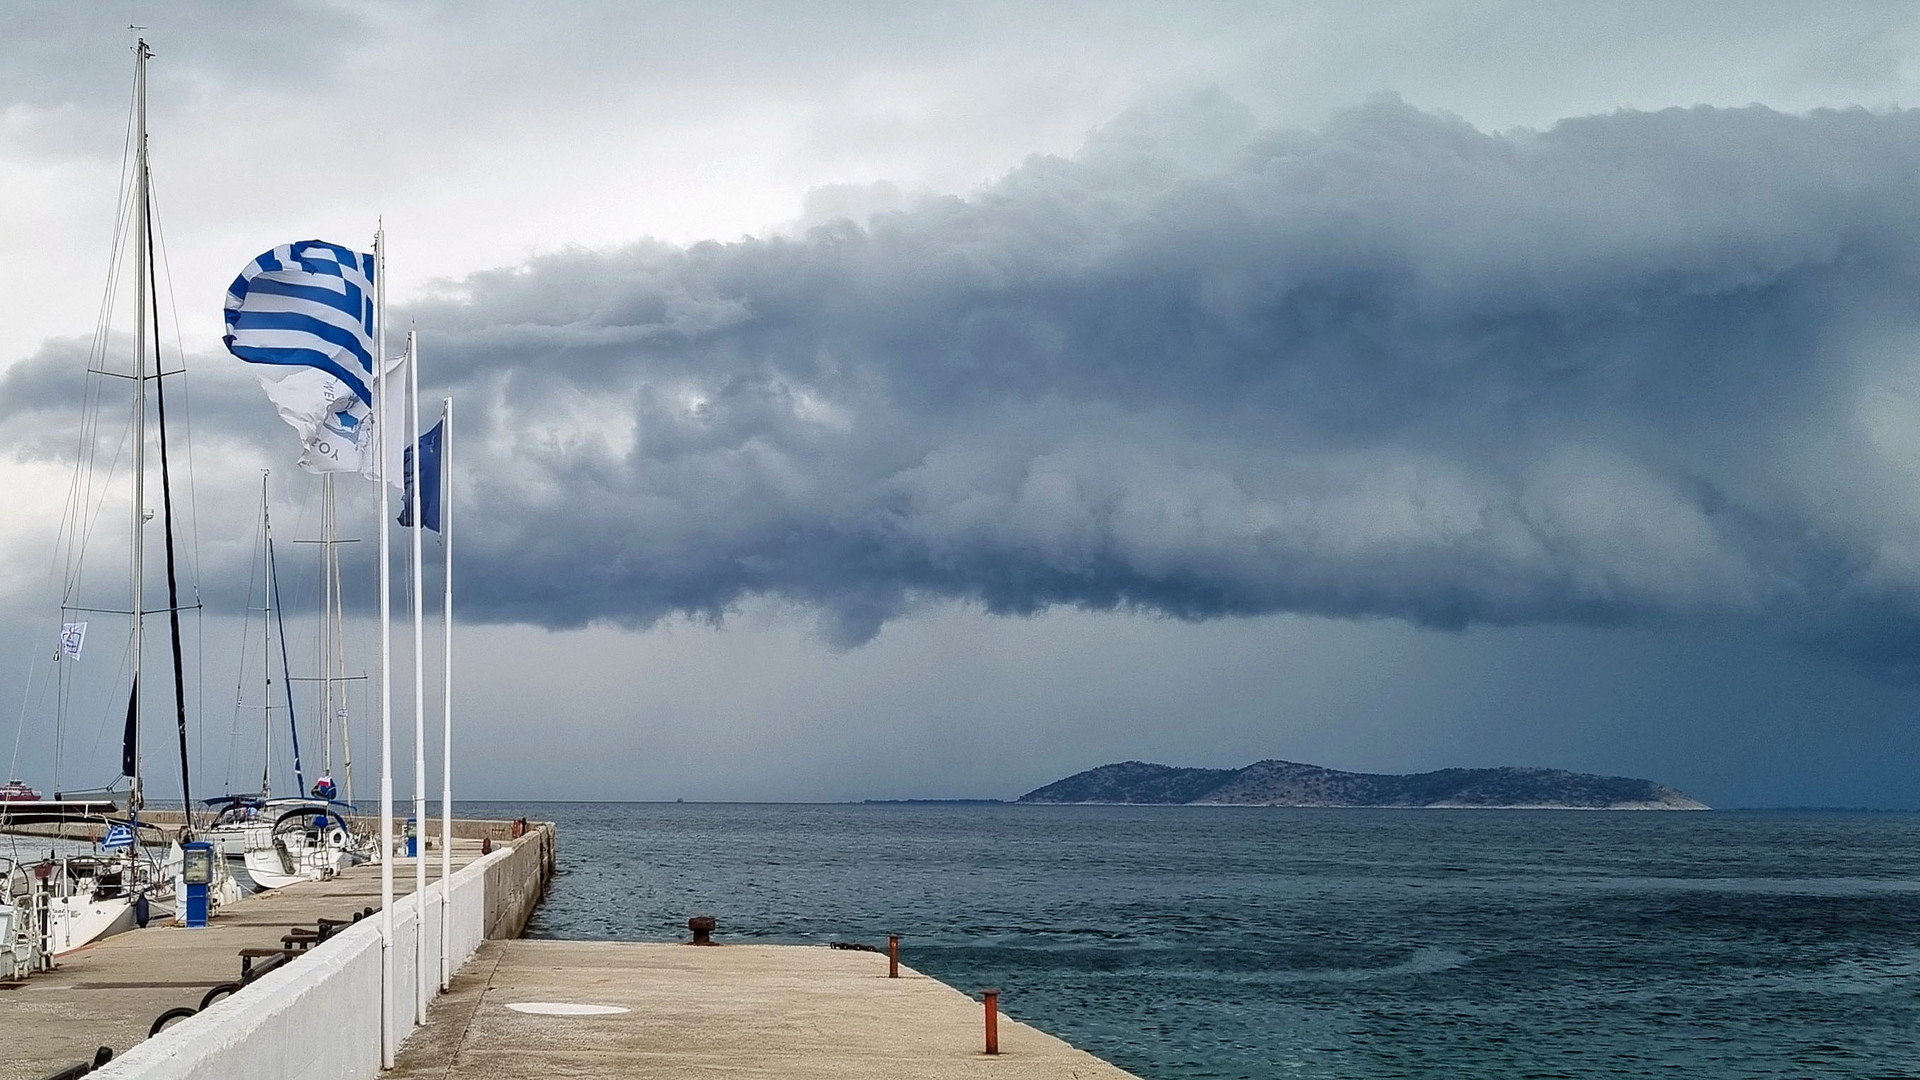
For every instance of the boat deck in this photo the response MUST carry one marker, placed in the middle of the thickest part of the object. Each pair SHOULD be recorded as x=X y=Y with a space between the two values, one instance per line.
x=733 y=1010
x=108 y=993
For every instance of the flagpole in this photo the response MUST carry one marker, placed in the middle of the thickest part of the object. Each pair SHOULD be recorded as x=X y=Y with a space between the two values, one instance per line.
x=446 y=682
x=326 y=624
x=419 y=690
x=386 y=656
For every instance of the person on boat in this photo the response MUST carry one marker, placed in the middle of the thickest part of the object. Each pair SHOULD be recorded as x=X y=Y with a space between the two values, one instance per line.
x=323 y=788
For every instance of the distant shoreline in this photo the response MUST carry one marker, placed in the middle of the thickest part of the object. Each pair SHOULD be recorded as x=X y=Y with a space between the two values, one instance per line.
x=1625 y=808
x=514 y=801
x=932 y=802
x=1280 y=783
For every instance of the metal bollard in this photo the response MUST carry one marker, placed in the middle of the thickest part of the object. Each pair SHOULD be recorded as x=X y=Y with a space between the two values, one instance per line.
x=893 y=956
x=992 y=1000
x=702 y=927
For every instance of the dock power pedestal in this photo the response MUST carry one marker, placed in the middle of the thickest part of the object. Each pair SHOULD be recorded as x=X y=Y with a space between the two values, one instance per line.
x=196 y=873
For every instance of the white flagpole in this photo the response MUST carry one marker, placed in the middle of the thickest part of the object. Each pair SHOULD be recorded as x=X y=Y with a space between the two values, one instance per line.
x=446 y=684
x=419 y=693
x=387 y=1043
x=326 y=625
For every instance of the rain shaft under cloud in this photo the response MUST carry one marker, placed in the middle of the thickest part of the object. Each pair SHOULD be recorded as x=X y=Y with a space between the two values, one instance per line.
x=1638 y=367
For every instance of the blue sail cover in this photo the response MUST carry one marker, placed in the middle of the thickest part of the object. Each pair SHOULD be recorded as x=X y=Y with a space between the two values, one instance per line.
x=306 y=304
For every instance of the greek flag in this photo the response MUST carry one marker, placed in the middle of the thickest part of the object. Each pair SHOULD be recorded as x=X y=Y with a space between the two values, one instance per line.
x=118 y=836
x=306 y=304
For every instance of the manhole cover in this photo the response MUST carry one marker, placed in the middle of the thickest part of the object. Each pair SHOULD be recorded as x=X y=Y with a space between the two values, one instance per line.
x=565 y=1008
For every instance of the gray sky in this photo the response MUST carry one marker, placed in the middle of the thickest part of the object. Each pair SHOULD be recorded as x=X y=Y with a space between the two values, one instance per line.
x=868 y=402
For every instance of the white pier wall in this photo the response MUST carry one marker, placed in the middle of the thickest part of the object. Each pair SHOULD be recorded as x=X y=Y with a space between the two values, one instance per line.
x=318 y=1017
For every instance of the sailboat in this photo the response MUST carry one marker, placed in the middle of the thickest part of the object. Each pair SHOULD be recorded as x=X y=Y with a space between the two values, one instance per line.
x=357 y=843
x=62 y=902
x=20 y=935
x=280 y=841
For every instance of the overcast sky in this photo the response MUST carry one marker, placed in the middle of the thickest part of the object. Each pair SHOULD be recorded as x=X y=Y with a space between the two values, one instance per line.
x=867 y=401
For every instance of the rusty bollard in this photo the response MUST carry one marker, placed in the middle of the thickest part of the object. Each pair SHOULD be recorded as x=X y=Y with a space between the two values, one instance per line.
x=992 y=1001
x=702 y=927
x=893 y=956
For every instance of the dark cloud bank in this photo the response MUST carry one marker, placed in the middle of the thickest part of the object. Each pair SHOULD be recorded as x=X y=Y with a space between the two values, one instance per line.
x=1639 y=367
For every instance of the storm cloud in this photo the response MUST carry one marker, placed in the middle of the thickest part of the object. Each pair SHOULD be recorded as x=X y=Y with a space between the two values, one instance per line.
x=1634 y=368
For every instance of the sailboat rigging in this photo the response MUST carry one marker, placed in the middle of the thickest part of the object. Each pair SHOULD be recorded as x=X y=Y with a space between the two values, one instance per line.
x=69 y=901
x=306 y=835
x=173 y=580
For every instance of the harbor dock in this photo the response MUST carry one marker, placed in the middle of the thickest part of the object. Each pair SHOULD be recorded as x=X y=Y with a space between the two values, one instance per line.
x=785 y=1011
x=281 y=984
x=513 y=1008
x=109 y=993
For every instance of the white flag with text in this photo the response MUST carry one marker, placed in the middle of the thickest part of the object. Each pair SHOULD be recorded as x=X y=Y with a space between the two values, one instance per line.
x=335 y=426
x=73 y=636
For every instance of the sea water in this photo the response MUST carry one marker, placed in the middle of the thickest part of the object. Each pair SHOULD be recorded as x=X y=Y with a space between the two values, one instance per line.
x=1191 y=942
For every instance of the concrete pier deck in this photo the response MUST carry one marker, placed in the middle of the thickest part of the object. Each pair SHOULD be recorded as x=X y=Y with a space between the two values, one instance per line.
x=108 y=993
x=727 y=1011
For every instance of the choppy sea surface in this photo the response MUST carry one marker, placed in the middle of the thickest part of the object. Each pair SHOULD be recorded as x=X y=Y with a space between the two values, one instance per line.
x=1196 y=942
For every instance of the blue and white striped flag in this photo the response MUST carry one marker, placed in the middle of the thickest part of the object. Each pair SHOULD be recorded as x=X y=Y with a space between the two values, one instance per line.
x=306 y=304
x=307 y=310
x=118 y=836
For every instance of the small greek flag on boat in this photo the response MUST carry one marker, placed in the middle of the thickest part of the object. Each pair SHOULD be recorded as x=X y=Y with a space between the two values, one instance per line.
x=118 y=836
x=306 y=304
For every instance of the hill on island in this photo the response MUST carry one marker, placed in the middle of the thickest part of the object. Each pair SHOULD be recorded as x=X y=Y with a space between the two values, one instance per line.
x=1289 y=783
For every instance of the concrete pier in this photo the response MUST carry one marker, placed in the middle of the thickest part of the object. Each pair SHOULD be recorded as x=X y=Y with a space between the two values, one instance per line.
x=515 y=1008
x=108 y=993
x=317 y=1016
x=732 y=1010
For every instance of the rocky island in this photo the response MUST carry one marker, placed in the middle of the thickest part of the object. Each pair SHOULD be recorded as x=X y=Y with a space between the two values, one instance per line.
x=1289 y=783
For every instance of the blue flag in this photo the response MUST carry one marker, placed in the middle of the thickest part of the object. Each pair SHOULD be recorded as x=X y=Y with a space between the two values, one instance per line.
x=118 y=836
x=429 y=458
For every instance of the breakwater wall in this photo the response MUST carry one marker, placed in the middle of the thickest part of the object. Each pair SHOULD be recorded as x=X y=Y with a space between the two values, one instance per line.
x=463 y=828
x=322 y=1016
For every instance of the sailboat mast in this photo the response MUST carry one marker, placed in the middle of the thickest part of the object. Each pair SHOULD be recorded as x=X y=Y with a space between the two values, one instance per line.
x=166 y=521
x=339 y=662
x=286 y=670
x=137 y=572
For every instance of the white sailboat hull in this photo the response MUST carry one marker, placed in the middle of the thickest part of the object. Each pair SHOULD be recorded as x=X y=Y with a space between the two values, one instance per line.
x=19 y=944
x=74 y=922
x=287 y=862
x=232 y=841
